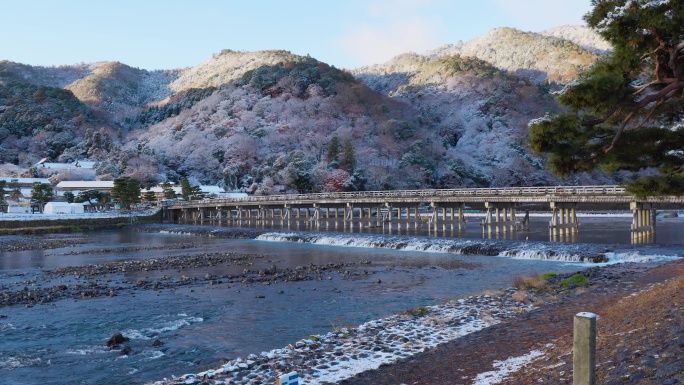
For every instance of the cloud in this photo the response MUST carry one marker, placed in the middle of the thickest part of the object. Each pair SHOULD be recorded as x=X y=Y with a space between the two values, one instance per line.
x=537 y=15
x=370 y=44
x=391 y=28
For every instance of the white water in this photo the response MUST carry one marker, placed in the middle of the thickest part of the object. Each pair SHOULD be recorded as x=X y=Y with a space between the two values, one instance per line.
x=522 y=250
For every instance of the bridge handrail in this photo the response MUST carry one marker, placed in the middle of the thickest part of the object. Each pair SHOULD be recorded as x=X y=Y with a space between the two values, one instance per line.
x=463 y=192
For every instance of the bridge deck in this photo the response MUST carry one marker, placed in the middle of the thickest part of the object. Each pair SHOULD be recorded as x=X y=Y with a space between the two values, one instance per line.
x=571 y=194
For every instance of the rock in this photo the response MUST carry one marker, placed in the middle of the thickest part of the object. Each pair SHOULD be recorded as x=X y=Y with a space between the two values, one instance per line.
x=157 y=343
x=116 y=339
x=125 y=351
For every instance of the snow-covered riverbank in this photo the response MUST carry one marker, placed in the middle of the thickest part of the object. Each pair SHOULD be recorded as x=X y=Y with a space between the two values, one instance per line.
x=105 y=214
x=344 y=352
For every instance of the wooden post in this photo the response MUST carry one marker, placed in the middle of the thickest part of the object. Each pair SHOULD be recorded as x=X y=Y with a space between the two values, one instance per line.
x=584 y=349
x=291 y=378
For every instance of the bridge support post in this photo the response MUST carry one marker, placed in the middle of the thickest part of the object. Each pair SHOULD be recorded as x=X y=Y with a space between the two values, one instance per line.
x=446 y=209
x=643 y=221
x=563 y=219
x=505 y=222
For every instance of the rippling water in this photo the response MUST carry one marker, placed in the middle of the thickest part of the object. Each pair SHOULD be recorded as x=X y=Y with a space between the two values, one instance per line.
x=64 y=342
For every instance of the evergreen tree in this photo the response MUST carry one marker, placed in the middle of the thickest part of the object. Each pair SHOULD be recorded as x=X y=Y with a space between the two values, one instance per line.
x=69 y=196
x=150 y=197
x=89 y=196
x=41 y=193
x=196 y=193
x=167 y=188
x=3 y=192
x=185 y=188
x=625 y=112
x=126 y=191
x=14 y=189
x=348 y=161
x=104 y=199
x=333 y=149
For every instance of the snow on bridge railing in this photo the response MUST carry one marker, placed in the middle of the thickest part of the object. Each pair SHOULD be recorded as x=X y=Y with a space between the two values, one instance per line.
x=466 y=192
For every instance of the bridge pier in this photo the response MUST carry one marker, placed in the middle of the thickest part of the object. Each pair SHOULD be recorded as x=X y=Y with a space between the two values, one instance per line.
x=563 y=219
x=643 y=221
x=499 y=222
x=456 y=217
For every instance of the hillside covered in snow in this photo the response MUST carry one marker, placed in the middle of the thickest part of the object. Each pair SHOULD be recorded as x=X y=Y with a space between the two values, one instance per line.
x=268 y=120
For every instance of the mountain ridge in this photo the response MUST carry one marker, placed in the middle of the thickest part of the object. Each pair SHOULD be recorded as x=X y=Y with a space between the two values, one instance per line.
x=433 y=120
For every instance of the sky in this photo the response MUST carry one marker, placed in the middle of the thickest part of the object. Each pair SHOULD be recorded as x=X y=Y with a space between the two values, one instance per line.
x=171 y=34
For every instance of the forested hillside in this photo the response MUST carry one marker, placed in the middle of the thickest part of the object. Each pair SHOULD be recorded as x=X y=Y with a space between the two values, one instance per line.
x=272 y=120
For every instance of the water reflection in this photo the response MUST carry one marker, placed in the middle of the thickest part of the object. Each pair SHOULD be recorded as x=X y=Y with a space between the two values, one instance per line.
x=605 y=229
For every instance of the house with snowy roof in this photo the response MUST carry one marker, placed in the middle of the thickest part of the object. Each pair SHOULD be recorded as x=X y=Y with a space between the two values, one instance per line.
x=25 y=185
x=84 y=168
x=76 y=186
x=158 y=190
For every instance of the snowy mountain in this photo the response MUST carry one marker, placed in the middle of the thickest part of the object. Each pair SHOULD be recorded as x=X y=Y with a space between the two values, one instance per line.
x=456 y=116
x=582 y=36
x=540 y=57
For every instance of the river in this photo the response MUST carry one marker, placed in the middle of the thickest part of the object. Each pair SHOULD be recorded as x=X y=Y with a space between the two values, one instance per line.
x=201 y=324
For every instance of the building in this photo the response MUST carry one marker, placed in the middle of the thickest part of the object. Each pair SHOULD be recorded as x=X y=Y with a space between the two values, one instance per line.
x=25 y=184
x=76 y=186
x=19 y=208
x=208 y=190
x=63 y=208
x=82 y=168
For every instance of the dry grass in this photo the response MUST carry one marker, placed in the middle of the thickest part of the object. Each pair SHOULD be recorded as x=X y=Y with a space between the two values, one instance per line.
x=647 y=324
x=529 y=283
x=580 y=290
x=519 y=296
x=486 y=317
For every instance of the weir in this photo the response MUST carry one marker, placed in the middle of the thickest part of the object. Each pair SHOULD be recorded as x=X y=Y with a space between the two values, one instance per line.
x=426 y=209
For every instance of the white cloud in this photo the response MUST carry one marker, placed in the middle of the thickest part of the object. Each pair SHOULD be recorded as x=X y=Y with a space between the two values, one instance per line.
x=372 y=44
x=394 y=27
x=538 y=15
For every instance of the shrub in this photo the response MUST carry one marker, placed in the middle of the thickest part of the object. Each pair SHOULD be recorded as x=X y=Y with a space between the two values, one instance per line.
x=420 y=311
x=527 y=282
x=575 y=280
x=549 y=275
x=519 y=296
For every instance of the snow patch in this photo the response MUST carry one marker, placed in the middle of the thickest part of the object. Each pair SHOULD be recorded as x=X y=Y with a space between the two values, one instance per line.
x=506 y=367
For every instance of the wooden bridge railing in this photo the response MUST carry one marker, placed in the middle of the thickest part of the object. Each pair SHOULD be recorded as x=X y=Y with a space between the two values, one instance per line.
x=466 y=192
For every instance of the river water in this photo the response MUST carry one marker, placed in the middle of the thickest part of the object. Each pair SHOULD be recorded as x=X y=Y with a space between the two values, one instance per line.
x=63 y=342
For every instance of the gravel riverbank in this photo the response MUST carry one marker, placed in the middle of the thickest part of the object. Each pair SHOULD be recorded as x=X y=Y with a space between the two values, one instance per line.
x=640 y=337
x=466 y=341
x=451 y=343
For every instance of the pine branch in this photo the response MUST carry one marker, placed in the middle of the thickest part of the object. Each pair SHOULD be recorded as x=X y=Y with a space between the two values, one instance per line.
x=593 y=122
x=631 y=115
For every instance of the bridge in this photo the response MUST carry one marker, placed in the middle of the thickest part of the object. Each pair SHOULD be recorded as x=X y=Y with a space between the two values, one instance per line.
x=434 y=208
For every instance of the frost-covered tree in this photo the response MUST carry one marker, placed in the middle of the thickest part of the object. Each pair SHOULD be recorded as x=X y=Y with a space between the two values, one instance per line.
x=625 y=112
x=336 y=181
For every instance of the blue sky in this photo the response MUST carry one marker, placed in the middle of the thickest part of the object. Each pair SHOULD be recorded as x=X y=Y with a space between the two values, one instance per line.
x=175 y=34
